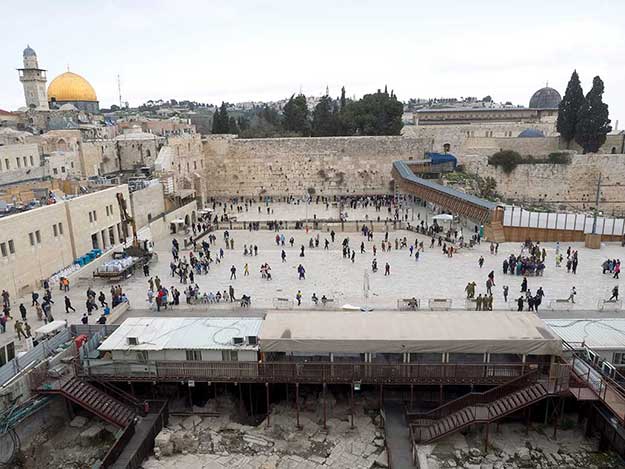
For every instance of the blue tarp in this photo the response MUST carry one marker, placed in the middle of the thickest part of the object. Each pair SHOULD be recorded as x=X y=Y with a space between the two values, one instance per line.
x=440 y=158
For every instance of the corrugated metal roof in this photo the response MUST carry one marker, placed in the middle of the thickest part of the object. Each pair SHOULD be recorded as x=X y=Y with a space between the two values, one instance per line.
x=596 y=333
x=405 y=172
x=183 y=334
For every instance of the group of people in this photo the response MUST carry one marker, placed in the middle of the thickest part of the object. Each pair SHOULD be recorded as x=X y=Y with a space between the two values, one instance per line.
x=612 y=266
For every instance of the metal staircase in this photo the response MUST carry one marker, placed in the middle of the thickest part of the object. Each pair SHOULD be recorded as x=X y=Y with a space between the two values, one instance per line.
x=475 y=408
x=94 y=400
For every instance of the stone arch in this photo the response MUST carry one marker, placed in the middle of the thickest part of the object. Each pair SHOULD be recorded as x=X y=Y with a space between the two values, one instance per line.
x=61 y=144
x=613 y=150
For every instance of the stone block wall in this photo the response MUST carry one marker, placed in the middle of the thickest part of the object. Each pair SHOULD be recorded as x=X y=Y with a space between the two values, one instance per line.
x=292 y=166
x=572 y=186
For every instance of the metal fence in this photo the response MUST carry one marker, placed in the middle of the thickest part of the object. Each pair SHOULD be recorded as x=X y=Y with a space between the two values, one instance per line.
x=519 y=217
x=95 y=334
x=41 y=351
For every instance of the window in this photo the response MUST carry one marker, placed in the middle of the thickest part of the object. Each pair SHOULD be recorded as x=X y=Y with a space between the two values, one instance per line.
x=230 y=355
x=31 y=236
x=142 y=356
x=19 y=165
x=38 y=236
x=71 y=164
x=32 y=161
x=195 y=165
x=95 y=216
x=194 y=355
x=107 y=210
x=6 y=163
x=25 y=162
x=90 y=217
x=62 y=169
x=55 y=231
x=619 y=358
x=11 y=247
x=3 y=249
x=55 y=171
x=10 y=351
x=3 y=356
x=60 y=228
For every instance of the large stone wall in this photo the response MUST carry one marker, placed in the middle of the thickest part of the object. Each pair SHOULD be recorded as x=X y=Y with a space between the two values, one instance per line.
x=292 y=166
x=570 y=186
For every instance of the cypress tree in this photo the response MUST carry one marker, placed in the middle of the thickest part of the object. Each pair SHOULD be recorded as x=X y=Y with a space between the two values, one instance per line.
x=593 y=123
x=569 y=107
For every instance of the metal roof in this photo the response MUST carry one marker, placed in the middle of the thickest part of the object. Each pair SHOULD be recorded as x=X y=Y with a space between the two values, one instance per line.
x=596 y=333
x=405 y=172
x=204 y=333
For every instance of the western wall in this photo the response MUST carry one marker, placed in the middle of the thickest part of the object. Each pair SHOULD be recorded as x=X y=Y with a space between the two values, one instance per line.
x=292 y=166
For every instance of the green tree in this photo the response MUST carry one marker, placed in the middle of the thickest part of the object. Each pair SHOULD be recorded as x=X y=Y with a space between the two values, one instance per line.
x=593 y=123
x=377 y=114
x=220 y=120
x=233 y=126
x=325 y=118
x=569 y=107
x=295 y=116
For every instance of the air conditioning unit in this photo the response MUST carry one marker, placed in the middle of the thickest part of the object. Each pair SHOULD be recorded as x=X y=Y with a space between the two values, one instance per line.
x=238 y=340
x=133 y=340
x=252 y=340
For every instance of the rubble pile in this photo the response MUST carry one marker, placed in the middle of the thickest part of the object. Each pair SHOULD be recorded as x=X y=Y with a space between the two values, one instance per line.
x=216 y=442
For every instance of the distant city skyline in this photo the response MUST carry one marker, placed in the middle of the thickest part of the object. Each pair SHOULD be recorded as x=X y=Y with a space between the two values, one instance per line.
x=265 y=51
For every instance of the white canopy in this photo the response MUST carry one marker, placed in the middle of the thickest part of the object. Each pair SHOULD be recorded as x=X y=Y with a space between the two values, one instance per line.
x=177 y=221
x=415 y=332
x=443 y=217
x=52 y=326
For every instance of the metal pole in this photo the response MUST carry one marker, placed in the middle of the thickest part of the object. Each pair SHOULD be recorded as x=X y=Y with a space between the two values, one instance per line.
x=351 y=404
x=325 y=410
x=594 y=221
x=297 y=406
x=268 y=407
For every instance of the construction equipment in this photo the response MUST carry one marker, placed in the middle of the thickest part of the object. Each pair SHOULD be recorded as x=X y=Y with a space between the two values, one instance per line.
x=136 y=250
x=127 y=219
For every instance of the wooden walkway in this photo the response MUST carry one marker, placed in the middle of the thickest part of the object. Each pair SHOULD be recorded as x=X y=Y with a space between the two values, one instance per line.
x=397 y=432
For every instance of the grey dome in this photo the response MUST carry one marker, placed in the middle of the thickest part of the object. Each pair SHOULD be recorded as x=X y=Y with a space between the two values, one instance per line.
x=28 y=52
x=531 y=133
x=545 y=98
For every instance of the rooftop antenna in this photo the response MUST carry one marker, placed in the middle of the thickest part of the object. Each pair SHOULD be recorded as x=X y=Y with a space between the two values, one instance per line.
x=119 y=90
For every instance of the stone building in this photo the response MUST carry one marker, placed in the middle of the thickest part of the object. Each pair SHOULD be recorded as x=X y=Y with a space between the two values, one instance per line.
x=33 y=79
x=37 y=243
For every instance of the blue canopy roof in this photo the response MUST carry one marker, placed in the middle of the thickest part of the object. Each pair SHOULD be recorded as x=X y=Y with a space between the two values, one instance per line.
x=440 y=158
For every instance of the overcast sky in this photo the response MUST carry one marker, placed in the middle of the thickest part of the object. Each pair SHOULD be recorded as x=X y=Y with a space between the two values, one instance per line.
x=243 y=50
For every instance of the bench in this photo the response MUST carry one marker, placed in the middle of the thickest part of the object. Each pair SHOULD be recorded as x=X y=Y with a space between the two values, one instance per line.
x=607 y=305
x=408 y=304
x=439 y=304
x=282 y=303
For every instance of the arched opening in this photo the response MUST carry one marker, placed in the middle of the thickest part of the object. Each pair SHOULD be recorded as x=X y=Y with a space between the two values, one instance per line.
x=186 y=220
x=613 y=151
x=61 y=144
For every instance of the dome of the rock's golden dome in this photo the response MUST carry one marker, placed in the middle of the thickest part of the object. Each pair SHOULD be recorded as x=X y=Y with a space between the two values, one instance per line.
x=71 y=87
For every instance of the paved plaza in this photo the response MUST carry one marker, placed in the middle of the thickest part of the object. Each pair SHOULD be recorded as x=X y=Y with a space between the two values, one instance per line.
x=434 y=275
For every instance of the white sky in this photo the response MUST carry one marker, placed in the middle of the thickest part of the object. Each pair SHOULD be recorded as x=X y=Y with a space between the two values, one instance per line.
x=215 y=50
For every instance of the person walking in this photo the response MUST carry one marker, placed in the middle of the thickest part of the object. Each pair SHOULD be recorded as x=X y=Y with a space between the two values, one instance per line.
x=231 y=293
x=233 y=273
x=480 y=261
x=505 y=293
x=246 y=270
x=387 y=269
x=23 y=311
x=614 y=294
x=19 y=330
x=478 y=302
x=68 y=305
x=102 y=299
x=298 y=297
x=571 y=297
x=85 y=319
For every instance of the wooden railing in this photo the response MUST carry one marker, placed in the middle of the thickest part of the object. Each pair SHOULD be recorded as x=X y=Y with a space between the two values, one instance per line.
x=318 y=372
x=472 y=399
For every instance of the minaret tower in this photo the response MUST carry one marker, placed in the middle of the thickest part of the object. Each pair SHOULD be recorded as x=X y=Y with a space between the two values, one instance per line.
x=34 y=80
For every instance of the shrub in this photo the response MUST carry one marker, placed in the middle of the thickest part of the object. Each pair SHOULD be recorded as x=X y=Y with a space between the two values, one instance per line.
x=507 y=159
x=559 y=158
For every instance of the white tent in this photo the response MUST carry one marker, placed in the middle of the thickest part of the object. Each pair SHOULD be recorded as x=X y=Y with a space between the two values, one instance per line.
x=443 y=217
x=177 y=221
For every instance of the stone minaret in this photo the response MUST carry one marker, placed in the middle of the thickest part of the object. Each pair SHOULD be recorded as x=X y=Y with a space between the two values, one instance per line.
x=34 y=80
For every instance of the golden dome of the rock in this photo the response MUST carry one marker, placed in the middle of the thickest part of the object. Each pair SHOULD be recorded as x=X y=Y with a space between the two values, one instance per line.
x=71 y=87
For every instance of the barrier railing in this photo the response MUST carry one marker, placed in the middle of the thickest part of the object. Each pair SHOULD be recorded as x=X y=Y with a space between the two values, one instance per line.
x=318 y=372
